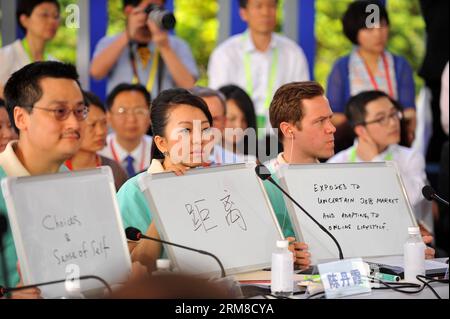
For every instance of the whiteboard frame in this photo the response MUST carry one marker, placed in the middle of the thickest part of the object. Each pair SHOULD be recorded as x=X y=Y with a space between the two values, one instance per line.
x=145 y=187
x=9 y=183
x=292 y=208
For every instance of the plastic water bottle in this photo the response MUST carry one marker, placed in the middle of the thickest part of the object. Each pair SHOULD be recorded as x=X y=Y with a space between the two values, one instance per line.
x=282 y=283
x=162 y=267
x=414 y=255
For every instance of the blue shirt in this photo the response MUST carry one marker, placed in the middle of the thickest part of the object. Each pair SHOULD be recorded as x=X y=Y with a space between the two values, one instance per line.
x=338 y=88
x=122 y=72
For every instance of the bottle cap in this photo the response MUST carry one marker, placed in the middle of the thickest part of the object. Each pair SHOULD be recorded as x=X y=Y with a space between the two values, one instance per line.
x=163 y=264
x=282 y=244
x=413 y=230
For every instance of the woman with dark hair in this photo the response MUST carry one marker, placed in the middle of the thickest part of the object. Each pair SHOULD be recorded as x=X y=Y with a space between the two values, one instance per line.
x=370 y=66
x=94 y=140
x=179 y=144
x=7 y=133
x=240 y=114
x=39 y=19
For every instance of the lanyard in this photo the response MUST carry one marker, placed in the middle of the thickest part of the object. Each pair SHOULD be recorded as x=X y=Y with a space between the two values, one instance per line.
x=272 y=75
x=116 y=158
x=69 y=165
x=26 y=47
x=386 y=72
x=153 y=70
x=352 y=156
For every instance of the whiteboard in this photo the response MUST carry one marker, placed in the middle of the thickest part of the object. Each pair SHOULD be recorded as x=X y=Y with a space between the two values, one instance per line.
x=364 y=205
x=222 y=210
x=65 y=225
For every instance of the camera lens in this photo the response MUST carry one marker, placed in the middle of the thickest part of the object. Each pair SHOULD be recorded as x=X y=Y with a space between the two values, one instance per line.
x=163 y=18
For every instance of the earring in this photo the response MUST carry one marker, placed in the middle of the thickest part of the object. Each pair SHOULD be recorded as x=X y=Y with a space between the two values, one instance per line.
x=166 y=154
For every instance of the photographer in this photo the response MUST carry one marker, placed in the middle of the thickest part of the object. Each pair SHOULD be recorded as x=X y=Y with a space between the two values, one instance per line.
x=144 y=53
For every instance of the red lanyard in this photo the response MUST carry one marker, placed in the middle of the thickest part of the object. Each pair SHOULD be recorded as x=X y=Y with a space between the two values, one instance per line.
x=386 y=72
x=116 y=158
x=69 y=165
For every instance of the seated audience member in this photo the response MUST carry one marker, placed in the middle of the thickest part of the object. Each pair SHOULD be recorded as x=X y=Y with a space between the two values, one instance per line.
x=303 y=118
x=94 y=140
x=47 y=105
x=216 y=103
x=129 y=117
x=240 y=115
x=144 y=54
x=39 y=20
x=173 y=111
x=370 y=66
x=375 y=118
x=7 y=133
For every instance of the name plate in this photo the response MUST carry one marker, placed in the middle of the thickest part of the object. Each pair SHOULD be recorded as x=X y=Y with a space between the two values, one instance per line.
x=345 y=278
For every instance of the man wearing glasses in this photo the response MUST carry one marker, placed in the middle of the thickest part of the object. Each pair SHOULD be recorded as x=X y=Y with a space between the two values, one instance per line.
x=375 y=118
x=129 y=117
x=46 y=106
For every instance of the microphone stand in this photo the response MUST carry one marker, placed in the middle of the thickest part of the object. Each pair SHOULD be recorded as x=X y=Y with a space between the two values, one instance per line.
x=5 y=290
x=269 y=178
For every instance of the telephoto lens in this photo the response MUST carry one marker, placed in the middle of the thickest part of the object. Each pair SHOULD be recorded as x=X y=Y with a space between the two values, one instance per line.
x=164 y=19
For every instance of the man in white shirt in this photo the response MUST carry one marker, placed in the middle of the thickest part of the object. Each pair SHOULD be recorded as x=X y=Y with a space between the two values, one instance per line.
x=129 y=117
x=258 y=60
x=375 y=118
x=46 y=103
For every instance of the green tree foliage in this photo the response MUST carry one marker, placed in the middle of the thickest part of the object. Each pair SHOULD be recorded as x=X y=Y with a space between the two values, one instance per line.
x=63 y=46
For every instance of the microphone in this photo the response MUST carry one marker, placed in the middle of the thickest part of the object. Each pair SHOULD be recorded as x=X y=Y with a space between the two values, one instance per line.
x=429 y=193
x=5 y=290
x=135 y=234
x=264 y=174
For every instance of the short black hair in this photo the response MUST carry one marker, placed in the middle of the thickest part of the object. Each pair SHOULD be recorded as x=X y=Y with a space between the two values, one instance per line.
x=23 y=88
x=354 y=19
x=92 y=99
x=2 y=103
x=162 y=107
x=243 y=3
x=26 y=7
x=126 y=87
x=355 y=109
x=133 y=3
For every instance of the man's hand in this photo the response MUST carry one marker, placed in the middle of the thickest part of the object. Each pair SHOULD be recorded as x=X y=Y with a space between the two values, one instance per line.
x=429 y=252
x=300 y=252
x=159 y=37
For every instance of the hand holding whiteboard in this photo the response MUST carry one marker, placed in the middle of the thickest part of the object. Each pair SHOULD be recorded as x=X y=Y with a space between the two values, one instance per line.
x=67 y=225
x=364 y=205
x=222 y=210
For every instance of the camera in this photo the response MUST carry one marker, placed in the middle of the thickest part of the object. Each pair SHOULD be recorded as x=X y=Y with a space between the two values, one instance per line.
x=163 y=18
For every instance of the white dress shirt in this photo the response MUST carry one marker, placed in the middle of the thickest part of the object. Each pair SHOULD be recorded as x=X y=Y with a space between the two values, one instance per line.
x=227 y=66
x=141 y=153
x=411 y=165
